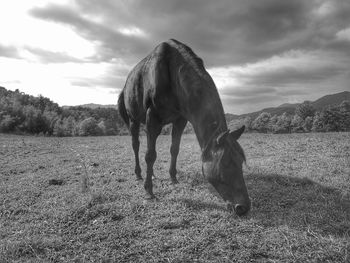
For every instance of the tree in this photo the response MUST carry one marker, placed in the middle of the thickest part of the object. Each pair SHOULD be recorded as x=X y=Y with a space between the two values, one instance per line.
x=58 y=129
x=50 y=118
x=318 y=122
x=344 y=109
x=261 y=123
x=7 y=123
x=248 y=123
x=332 y=119
x=307 y=125
x=102 y=127
x=344 y=106
x=283 y=124
x=305 y=110
x=34 y=122
x=69 y=126
x=297 y=123
x=88 y=127
x=112 y=127
x=273 y=122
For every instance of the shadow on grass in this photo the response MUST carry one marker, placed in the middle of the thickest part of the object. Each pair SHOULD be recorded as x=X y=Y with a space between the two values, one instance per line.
x=294 y=202
x=196 y=205
x=298 y=203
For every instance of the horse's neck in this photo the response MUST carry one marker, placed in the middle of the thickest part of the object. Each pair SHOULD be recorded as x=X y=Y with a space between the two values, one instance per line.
x=209 y=117
x=206 y=128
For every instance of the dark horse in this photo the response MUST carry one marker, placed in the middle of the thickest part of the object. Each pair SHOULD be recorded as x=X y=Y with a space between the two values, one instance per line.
x=171 y=85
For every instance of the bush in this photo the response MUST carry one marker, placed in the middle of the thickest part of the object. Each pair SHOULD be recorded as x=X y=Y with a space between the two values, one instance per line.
x=261 y=123
x=283 y=124
x=89 y=127
x=7 y=123
x=58 y=129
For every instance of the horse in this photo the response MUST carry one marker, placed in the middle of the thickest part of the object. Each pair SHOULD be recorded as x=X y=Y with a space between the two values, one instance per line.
x=171 y=85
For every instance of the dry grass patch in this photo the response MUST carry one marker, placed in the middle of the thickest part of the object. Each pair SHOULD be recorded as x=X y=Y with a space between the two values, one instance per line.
x=299 y=185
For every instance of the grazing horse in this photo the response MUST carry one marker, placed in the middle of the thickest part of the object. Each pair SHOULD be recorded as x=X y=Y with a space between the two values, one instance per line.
x=171 y=85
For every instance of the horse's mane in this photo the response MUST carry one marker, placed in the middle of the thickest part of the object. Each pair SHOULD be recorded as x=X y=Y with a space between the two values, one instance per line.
x=188 y=53
x=240 y=150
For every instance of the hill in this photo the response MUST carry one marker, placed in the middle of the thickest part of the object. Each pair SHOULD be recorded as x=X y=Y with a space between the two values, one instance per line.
x=229 y=117
x=329 y=100
x=288 y=105
x=25 y=114
x=93 y=106
x=319 y=104
x=273 y=111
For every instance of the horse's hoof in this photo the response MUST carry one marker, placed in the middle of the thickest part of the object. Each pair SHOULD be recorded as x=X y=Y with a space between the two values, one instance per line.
x=174 y=181
x=149 y=197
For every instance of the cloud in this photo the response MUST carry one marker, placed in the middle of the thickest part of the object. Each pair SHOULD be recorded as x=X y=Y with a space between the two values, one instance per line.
x=106 y=82
x=112 y=77
x=291 y=77
x=223 y=33
x=46 y=56
x=296 y=68
x=244 y=92
x=111 y=43
x=258 y=52
x=8 y=51
x=291 y=68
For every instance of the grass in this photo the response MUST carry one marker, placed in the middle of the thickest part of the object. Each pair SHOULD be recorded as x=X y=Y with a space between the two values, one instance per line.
x=299 y=184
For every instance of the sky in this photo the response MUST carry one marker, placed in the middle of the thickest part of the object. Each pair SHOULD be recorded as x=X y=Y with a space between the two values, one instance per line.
x=259 y=53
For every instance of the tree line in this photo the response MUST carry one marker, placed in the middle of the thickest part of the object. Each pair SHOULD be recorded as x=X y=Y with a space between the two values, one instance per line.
x=305 y=119
x=24 y=114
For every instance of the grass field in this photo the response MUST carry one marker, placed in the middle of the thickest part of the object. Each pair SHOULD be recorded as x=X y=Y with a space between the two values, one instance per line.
x=299 y=185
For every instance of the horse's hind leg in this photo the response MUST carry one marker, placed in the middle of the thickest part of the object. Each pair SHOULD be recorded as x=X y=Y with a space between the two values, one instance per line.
x=177 y=130
x=135 y=129
x=154 y=128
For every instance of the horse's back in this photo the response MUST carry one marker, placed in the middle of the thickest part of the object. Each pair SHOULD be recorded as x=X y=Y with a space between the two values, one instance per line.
x=149 y=85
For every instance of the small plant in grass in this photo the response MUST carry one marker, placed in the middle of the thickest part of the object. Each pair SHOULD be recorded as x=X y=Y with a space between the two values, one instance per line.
x=84 y=176
x=84 y=179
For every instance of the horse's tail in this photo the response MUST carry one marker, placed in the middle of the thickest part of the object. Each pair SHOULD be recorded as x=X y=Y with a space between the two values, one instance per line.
x=122 y=109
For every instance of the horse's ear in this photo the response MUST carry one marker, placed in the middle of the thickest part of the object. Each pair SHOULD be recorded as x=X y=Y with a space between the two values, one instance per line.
x=237 y=133
x=222 y=137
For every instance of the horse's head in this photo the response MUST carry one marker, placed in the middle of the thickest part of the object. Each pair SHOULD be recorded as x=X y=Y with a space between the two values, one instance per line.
x=222 y=166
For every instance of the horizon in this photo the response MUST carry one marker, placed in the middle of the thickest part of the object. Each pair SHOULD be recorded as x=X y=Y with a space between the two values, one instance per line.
x=259 y=54
x=244 y=113
x=280 y=105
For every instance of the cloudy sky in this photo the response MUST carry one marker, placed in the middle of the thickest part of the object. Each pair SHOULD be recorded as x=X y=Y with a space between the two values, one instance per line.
x=259 y=53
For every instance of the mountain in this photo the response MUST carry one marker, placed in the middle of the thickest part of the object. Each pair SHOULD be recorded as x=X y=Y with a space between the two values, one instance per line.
x=319 y=104
x=229 y=117
x=328 y=100
x=288 y=105
x=325 y=101
x=273 y=111
x=94 y=106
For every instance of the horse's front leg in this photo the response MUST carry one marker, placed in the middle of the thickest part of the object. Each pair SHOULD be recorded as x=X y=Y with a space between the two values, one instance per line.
x=153 y=127
x=177 y=130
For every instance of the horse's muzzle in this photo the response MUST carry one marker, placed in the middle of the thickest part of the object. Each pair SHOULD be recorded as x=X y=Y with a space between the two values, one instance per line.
x=240 y=209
